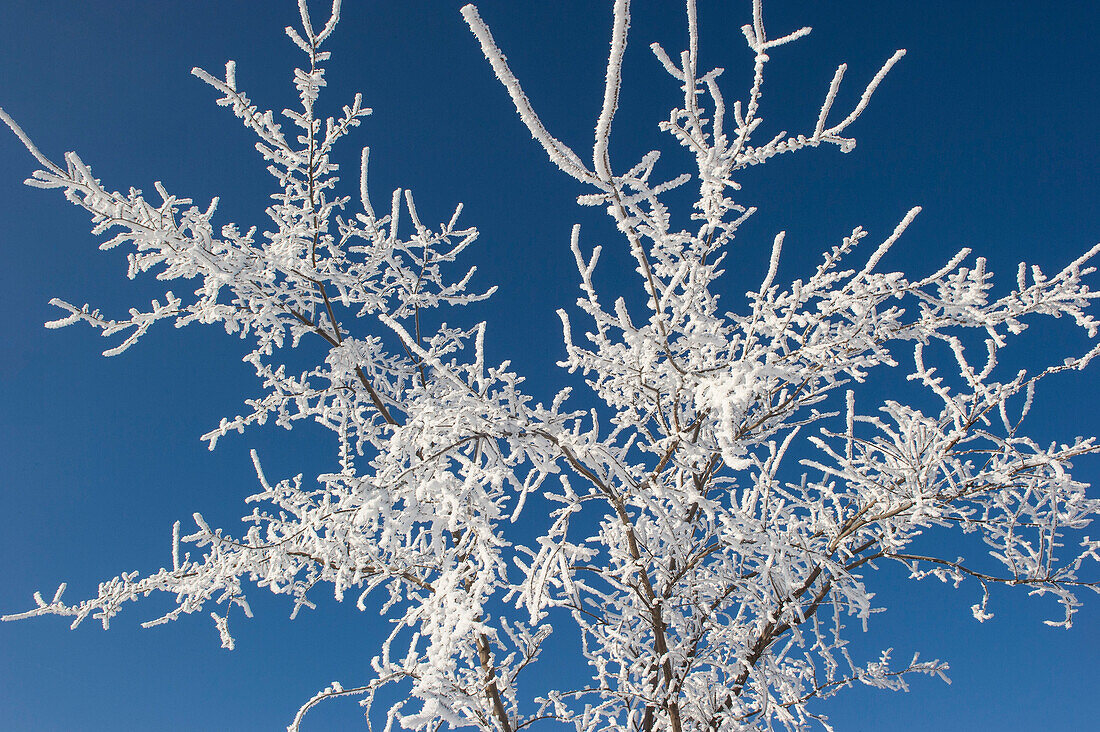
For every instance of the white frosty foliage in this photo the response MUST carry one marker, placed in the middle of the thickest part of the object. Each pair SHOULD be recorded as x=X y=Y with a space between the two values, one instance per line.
x=716 y=589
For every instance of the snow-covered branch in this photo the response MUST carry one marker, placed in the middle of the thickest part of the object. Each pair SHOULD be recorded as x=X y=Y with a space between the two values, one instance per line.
x=716 y=521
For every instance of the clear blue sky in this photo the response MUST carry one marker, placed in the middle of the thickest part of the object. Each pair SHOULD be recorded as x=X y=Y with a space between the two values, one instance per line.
x=989 y=123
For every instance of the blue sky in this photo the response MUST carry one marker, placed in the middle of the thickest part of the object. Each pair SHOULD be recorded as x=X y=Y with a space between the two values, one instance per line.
x=988 y=123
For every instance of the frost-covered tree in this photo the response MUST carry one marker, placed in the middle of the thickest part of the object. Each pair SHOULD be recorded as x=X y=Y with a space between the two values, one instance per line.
x=723 y=490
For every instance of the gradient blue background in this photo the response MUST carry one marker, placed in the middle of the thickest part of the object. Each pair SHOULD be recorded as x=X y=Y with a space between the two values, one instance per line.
x=989 y=123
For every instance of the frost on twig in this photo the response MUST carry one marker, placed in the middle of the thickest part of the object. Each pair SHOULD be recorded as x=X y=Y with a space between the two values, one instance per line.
x=714 y=526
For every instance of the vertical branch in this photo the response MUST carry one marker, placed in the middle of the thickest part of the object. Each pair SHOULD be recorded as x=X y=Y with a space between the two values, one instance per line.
x=612 y=83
